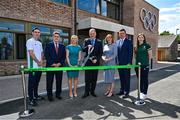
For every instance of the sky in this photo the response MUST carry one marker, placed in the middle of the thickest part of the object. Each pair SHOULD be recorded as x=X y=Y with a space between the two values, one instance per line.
x=169 y=14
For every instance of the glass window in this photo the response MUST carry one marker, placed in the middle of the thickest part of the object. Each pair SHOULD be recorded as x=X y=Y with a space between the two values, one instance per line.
x=43 y=29
x=103 y=8
x=113 y=10
x=6 y=46
x=109 y=8
x=45 y=39
x=20 y=46
x=11 y=26
x=66 y=2
x=65 y=41
x=63 y=33
x=46 y=34
x=92 y=6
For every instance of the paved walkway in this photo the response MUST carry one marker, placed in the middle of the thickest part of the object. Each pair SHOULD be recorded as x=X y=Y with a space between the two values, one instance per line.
x=11 y=86
x=163 y=102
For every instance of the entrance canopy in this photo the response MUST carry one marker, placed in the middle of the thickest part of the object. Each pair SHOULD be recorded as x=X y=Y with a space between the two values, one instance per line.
x=91 y=22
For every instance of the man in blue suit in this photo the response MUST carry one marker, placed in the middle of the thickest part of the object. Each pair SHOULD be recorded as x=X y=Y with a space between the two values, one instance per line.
x=55 y=57
x=125 y=54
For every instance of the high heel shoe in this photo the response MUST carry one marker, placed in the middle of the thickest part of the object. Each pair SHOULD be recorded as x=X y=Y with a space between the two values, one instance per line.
x=110 y=94
x=71 y=96
x=75 y=95
x=106 y=93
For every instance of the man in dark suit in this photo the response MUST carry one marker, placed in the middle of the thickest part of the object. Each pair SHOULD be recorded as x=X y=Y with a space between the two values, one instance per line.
x=92 y=46
x=125 y=54
x=55 y=57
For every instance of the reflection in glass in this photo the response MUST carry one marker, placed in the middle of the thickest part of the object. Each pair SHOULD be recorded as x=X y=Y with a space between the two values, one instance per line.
x=6 y=46
x=113 y=10
x=43 y=29
x=11 y=26
x=103 y=8
x=67 y=2
x=45 y=39
x=65 y=41
x=46 y=34
x=92 y=6
x=64 y=33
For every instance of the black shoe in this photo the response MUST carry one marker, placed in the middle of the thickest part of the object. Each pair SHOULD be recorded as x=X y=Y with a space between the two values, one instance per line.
x=125 y=96
x=85 y=95
x=58 y=97
x=120 y=93
x=50 y=99
x=93 y=94
x=33 y=103
x=39 y=98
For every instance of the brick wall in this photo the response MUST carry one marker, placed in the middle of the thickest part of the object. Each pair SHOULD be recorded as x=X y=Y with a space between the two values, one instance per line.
x=38 y=11
x=128 y=13
x=11 y=67
x=151 y=36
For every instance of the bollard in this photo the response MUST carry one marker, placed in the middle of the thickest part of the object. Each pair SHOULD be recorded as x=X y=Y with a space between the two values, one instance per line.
x=27 y=112
x=138 y=100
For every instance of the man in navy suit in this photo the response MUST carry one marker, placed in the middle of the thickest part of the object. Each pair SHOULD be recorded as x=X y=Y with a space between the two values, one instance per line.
x=55 y=57
x=95 y=46
x=125 y=55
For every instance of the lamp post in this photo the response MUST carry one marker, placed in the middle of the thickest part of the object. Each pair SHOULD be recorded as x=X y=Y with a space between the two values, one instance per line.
x=177 y=31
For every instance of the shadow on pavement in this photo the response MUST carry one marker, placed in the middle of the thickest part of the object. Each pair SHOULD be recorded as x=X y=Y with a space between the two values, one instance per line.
x=101 y=107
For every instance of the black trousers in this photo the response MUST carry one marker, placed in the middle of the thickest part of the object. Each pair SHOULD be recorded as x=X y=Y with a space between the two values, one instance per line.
x=49 y=82
x=90 y=78
x=33 y=83
x=124 y=75
x=144 y=78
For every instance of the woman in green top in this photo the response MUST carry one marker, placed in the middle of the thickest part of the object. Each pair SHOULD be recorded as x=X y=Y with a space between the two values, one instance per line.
x=73 y=57
x=143 y=54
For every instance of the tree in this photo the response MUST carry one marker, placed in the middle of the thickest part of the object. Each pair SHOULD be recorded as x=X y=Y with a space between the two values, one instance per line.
x=178 y=39
x=166 y=33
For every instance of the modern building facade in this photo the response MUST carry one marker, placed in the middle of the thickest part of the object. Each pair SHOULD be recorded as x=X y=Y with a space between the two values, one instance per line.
x=18 y=17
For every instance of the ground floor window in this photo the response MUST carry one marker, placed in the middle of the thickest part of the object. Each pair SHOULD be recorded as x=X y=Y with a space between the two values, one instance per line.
x=14 y=34
x=47 y=31
x=20 y=46
x=6 y=46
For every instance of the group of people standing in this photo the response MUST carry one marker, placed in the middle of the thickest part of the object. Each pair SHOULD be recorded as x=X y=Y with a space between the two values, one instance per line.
x=119 y=52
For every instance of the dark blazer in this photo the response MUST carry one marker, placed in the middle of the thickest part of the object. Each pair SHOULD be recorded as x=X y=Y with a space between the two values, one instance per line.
x=125 y=53
x=52 y=57
x=98 y=48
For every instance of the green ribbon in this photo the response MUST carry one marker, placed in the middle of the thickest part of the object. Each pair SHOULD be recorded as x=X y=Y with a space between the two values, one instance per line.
x=45 y=69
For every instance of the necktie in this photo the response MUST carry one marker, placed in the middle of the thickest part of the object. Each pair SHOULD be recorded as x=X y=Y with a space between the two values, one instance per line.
x=56 y=47
x=92 y=42
x=120 y=43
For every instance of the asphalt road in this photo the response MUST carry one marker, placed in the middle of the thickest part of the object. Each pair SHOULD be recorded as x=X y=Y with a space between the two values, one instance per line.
x=163 y=102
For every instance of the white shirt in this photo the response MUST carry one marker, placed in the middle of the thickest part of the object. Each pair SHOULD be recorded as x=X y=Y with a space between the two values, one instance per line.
x=36 y=47
x=120 y=42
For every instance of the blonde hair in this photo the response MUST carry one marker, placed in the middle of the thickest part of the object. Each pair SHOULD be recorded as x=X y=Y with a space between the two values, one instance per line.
x=109 y=35
x=75 y=37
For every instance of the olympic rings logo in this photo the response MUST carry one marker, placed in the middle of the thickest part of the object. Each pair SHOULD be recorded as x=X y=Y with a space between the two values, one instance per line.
x=149 y=19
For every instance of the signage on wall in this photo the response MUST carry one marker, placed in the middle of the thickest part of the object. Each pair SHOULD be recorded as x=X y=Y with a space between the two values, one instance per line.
x=148 y=19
